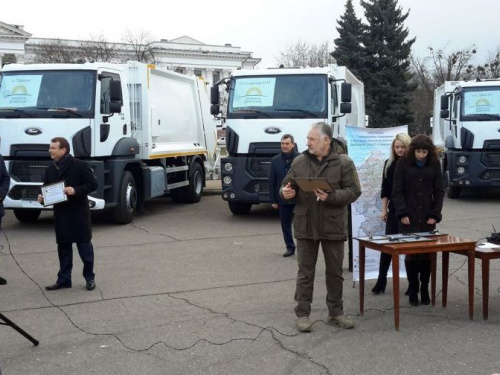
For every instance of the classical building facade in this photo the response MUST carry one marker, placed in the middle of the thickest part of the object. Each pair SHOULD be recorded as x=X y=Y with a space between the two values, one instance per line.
x=184 y=55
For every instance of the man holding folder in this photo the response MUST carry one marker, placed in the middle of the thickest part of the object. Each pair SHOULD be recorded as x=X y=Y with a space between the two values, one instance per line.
x=321 y=218
x=72 y=214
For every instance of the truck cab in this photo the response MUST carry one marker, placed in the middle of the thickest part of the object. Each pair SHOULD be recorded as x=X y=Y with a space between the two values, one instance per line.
x=468 y=134
x=264 y=105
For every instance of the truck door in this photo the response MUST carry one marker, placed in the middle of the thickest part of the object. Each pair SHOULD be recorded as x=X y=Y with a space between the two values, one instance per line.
x=109 y=128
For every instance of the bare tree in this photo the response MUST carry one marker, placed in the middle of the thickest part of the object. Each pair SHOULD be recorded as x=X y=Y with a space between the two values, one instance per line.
x=98 y=49
x=454 y=66
x=57 y=51
x=303 y=54
x=491 y=68
x=141 y=44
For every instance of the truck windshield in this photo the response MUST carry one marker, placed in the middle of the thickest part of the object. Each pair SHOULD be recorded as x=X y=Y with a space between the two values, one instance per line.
x=68 y=93
x=279 y=96
x=481 y=104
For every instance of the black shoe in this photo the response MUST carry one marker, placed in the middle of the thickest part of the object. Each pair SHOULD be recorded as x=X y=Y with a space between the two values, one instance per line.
x=90 y=285
x=3 y=281
x=379 y=286
x=424 y=295
x=289 y=253
x=57 y=286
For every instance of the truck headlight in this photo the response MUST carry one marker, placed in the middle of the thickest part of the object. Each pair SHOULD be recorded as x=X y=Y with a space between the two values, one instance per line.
x=462 y=159
x=460 y=170
x=228 y=180
x=228 y=167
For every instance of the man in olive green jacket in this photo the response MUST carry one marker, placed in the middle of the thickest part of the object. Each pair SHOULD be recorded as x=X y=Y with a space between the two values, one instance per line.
x=321 y=218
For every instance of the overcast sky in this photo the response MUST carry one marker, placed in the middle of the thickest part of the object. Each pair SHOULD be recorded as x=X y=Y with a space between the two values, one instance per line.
x=263 y=27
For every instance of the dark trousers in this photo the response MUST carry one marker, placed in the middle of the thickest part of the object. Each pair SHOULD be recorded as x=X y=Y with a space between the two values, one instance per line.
x=286 y=217
x=307 y=256
x=65 y=252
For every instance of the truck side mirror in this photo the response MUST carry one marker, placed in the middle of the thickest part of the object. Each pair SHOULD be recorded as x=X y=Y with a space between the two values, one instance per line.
x=444 y=102
x=346 y=93
x=345 y=108
x=214 y=95
x=445 y=113
x=214 y=109
x=115 y=91
x=115 y=97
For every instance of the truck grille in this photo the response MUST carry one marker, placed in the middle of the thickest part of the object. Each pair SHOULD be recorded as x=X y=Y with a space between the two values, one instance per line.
x=24 y=192
x=29 y=170
x=260 y=166
x=491 y=159
x=257 y=187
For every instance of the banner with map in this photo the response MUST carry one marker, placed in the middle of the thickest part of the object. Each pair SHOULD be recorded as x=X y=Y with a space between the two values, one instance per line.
x=369 y=148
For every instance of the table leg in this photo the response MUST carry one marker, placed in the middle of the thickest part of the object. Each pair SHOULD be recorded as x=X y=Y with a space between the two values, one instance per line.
x=446 y=265
x=486 y=285
x=470 y=261
x=361 y=279
x=433 y=278
x=395 y=287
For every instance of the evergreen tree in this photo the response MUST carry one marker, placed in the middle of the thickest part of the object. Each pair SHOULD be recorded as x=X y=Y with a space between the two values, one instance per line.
x=349 y=51
x=387 y=77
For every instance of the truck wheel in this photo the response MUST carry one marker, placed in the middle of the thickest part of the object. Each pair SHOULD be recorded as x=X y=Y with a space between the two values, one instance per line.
x=127 y=200
x=238 y=208
x=27 y=216
x=192 y=192
x=453 y=192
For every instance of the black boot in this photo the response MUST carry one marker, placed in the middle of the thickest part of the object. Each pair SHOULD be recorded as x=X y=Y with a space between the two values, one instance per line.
x=412 y=274
x=385 y=262
x=425 y=274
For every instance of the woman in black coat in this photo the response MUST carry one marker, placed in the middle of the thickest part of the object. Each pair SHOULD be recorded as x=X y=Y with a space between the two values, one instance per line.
x=418 y=195
x=399 y=146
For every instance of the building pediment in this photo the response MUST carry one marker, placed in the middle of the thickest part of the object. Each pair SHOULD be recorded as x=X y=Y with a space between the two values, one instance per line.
x=12 y=32
x=186 y=40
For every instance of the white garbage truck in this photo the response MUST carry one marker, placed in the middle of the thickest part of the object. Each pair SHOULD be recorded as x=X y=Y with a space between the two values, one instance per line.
x=144 y=131
x=466 y=131
x=263 y=105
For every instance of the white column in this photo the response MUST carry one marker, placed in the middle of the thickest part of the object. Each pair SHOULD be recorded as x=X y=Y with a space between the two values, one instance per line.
x=20 y=59
x=210 y=76
x=190 y=71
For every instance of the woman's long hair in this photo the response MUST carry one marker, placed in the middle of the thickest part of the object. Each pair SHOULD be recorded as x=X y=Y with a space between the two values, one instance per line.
x=405 y=138
x=422 y=142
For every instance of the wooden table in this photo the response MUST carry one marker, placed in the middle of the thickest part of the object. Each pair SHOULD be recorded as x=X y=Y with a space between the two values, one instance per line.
x=443 y=243
x=485 y=255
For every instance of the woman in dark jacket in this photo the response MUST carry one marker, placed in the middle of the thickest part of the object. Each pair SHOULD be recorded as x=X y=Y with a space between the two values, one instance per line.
x=399 y=147
x=418 y=195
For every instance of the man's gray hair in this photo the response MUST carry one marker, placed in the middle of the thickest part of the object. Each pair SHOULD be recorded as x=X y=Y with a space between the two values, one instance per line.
x=324 y=129
x=285 y=136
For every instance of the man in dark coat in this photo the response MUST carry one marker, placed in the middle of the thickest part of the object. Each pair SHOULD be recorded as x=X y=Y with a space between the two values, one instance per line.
x=321 y=218
x=280 y=164
x=4 y=189
x=71 y=217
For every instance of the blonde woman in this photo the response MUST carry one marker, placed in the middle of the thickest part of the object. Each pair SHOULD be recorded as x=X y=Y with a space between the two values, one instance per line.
x=399 y=147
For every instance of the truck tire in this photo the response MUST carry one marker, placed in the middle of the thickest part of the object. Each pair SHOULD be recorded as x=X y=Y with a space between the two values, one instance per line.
x=452 y=192
x=191 y=193
x=27 y=216
x=127 y=200
x=238 y=208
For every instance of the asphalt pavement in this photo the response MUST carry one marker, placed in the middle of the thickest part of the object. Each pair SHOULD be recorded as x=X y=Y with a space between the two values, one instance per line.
x=192 y=289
